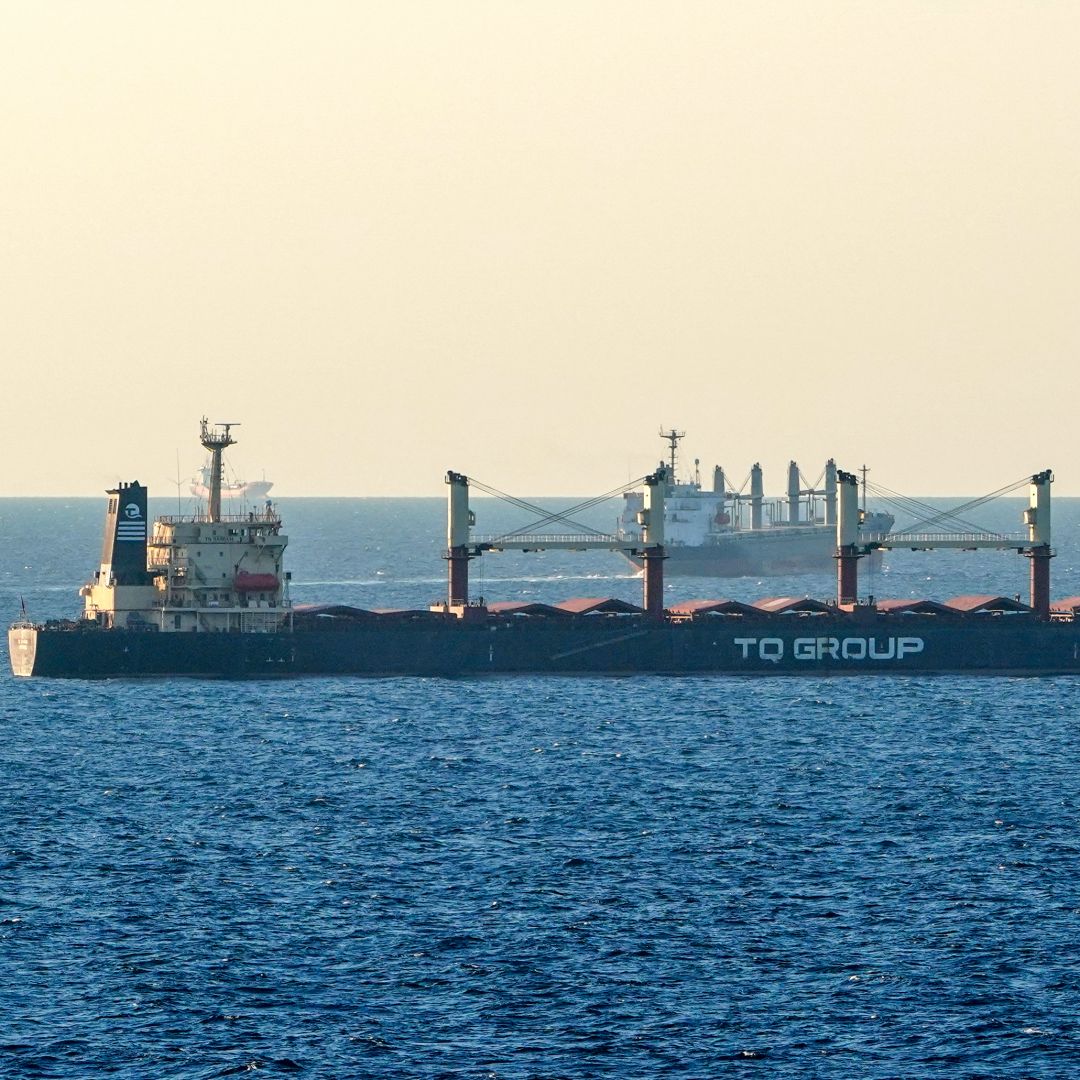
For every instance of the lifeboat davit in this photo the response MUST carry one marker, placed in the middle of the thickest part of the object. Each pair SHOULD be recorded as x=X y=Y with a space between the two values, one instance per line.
x=246 y=582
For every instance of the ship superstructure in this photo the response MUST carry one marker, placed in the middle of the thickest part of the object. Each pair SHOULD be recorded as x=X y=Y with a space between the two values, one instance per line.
x=208 y=572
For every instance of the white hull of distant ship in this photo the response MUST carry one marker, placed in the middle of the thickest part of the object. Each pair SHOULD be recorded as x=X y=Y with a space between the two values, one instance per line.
x=250 y=491
x=725 y=533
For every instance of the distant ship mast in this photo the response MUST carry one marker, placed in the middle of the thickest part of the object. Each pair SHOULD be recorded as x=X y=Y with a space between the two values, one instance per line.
x=215 y=439
x=672 y=438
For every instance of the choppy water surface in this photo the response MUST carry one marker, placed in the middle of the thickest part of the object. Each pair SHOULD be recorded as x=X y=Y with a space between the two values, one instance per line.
x=530 y=877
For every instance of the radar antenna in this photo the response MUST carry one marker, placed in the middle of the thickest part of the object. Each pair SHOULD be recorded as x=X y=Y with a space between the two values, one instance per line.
x=215 y=439
x=672 y=438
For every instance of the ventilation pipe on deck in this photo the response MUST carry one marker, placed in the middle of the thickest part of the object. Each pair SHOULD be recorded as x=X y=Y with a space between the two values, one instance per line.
x=1037 y=520
x=458 y=520
x=793 y=493
x=830 y=492
x=757 y=495
x=847 y=538
x=652 y=518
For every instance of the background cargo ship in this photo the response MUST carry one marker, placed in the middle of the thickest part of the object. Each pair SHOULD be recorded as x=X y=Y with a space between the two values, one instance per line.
x=232 y=489
x=727 y=533
x=206 y=595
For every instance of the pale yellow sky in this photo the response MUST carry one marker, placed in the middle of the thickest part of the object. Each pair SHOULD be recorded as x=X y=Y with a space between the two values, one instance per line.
x=513 y=239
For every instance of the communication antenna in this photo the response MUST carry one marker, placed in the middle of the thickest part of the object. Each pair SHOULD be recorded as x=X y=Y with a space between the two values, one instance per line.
x=215 y=439
x=672 y=438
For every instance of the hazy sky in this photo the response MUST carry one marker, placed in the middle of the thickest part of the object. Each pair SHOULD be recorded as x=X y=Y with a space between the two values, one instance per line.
x=513 y=239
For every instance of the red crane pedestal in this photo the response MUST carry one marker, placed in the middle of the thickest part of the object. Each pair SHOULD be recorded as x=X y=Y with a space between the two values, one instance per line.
x=654 y=581
x=1040 y=580
x=847 y=574
x=458 y=561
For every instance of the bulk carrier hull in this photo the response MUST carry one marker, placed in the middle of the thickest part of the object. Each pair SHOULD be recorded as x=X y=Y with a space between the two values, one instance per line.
x=207 y=596
x=594 y=645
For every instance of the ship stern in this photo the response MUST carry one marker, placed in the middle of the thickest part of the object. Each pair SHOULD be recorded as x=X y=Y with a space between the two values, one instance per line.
x=22 y=649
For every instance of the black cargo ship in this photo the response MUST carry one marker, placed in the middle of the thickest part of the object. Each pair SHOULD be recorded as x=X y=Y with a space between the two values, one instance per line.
x=207 y=596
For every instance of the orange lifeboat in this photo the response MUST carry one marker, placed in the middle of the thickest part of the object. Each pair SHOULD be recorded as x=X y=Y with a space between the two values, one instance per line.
x=246 y=582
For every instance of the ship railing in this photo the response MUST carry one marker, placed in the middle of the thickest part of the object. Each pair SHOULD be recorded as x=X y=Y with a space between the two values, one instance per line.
x=253 y=517
x=537 y=537
x=973 y=535
x=174 y=604
x=539 y=541
x=971 y=541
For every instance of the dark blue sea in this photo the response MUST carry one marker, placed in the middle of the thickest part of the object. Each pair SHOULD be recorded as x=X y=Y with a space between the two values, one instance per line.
x=534 y=877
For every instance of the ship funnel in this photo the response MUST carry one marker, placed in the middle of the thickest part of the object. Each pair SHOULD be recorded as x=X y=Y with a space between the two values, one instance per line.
x=123 y=555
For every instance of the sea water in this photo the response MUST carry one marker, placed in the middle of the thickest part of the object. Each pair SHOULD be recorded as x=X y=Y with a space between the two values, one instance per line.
x=533 y=877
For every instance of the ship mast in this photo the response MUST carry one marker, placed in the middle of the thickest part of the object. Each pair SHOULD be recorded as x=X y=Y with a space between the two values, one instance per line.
x=215 y=439
x=864 y=470
x=672 y=438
